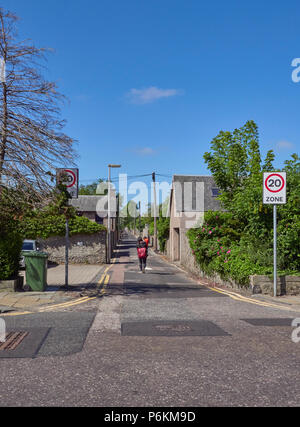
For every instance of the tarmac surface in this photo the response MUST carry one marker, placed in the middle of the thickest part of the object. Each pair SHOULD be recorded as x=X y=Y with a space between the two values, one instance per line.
x=154 y=339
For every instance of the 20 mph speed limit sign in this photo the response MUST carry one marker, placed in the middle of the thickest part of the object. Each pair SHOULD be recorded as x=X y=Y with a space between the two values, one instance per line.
x=69 y=177
x=274 y=188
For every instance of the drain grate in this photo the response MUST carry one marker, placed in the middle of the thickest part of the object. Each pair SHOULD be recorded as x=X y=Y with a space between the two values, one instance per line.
x=12 y=340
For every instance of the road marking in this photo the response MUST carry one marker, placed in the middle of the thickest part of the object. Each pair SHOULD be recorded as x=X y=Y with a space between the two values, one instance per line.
x=15 y=313
x=101 y=280
x=66 y=304
x=238 y=297
x=105 y=283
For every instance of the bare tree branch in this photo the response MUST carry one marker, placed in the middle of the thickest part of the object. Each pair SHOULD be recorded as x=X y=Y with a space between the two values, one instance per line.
x=32 y=141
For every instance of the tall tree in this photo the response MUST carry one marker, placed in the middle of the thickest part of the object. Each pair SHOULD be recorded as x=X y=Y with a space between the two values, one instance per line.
x=32 y=142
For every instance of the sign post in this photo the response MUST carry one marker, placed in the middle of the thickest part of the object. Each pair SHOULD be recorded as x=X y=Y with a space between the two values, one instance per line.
x=274 y=193
x=68 y=177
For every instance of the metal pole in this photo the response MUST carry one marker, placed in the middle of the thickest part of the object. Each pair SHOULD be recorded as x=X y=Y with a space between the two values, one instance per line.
x=155 y=223
x=135 y=221
x=67 y=255
x=108 y=221
x=275 y=247
x=140 y=216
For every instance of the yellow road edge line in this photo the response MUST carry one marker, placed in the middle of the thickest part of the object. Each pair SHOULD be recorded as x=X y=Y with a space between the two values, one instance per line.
x=245 y=299
x=64 y=304
x=113 y=261
x=101 y=280
x=107 y=277
x=16 y=313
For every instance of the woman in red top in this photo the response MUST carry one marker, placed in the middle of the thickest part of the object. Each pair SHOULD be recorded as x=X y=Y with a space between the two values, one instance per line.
x=142 y=251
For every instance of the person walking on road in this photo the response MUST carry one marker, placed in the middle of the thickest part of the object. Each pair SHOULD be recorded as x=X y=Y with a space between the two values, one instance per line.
x=142 y=252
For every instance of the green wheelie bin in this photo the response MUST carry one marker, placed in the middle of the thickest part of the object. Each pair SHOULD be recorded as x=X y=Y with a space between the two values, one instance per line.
x=36 y=264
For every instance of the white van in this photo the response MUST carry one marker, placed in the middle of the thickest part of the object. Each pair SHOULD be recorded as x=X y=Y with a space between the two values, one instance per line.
x=28 y=246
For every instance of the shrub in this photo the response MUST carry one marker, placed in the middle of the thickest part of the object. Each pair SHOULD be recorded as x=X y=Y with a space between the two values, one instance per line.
x=42 y=225
x=10 y=251
x=222 y=246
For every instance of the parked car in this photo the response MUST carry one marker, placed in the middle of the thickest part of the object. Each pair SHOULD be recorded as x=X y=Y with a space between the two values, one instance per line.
x=28 y=246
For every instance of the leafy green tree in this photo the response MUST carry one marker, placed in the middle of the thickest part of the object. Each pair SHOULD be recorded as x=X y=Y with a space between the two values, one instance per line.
x=91 y=189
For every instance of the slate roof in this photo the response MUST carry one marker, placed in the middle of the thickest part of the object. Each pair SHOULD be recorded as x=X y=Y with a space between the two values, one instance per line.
x=86 y=203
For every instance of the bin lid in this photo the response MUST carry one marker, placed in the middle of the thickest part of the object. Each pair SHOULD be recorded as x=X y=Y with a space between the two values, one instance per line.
x=36 y=254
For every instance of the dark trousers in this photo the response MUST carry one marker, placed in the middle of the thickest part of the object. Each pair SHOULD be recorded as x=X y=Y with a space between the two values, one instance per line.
x=143 y=262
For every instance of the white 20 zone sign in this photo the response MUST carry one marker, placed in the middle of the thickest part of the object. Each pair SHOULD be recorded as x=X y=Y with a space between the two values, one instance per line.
x=274 y=188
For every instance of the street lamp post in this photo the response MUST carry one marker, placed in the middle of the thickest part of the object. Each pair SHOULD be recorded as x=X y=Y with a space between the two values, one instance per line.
x=109 y=214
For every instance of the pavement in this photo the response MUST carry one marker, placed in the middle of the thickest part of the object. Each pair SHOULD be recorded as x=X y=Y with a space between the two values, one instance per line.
x=83 y=280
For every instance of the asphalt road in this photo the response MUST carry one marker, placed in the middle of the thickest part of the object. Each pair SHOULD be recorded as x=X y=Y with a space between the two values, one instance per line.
x=154 y=339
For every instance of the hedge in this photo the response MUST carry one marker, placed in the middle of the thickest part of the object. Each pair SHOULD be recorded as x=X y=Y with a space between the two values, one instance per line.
x=10 y=253
x=44 y=226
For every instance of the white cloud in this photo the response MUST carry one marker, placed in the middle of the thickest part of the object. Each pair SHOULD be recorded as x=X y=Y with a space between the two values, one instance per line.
x=145 y=151
x=151 y=94
x=282 y=145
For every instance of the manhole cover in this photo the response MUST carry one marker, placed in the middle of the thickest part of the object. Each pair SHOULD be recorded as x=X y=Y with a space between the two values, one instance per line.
x=175 y=328
x=12 y=340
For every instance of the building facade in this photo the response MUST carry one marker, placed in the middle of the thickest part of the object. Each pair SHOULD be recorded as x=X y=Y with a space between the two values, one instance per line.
x=191 y=196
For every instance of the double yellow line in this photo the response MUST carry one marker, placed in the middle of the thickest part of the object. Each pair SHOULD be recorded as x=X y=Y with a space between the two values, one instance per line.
x=241 y=298
x=105 y=277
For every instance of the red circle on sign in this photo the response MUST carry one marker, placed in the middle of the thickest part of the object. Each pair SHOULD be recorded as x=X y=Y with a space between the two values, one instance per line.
x=74 y=177
x=279 y=189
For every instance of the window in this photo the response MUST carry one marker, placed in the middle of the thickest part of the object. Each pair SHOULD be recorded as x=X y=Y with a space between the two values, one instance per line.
x=98 y=219
x=215 y=192
x=27 y=246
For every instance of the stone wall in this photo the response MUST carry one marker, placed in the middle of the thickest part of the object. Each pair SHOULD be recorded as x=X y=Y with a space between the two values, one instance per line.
x=83 y=248
x=187 y=259
x=286 y=285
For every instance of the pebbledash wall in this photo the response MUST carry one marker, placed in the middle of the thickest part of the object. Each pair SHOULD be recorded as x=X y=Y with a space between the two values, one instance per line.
x=83 y=248
x=286 y=285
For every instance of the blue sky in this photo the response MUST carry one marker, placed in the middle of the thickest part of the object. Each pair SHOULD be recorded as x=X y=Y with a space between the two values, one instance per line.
x=151 y=83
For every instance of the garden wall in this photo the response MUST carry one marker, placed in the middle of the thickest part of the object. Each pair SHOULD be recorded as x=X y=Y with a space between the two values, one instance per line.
x=83 y=248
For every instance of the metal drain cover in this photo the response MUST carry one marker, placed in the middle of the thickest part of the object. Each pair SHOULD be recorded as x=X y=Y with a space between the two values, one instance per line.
x=23 y=344
x=12 y=340
x=173 y=328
